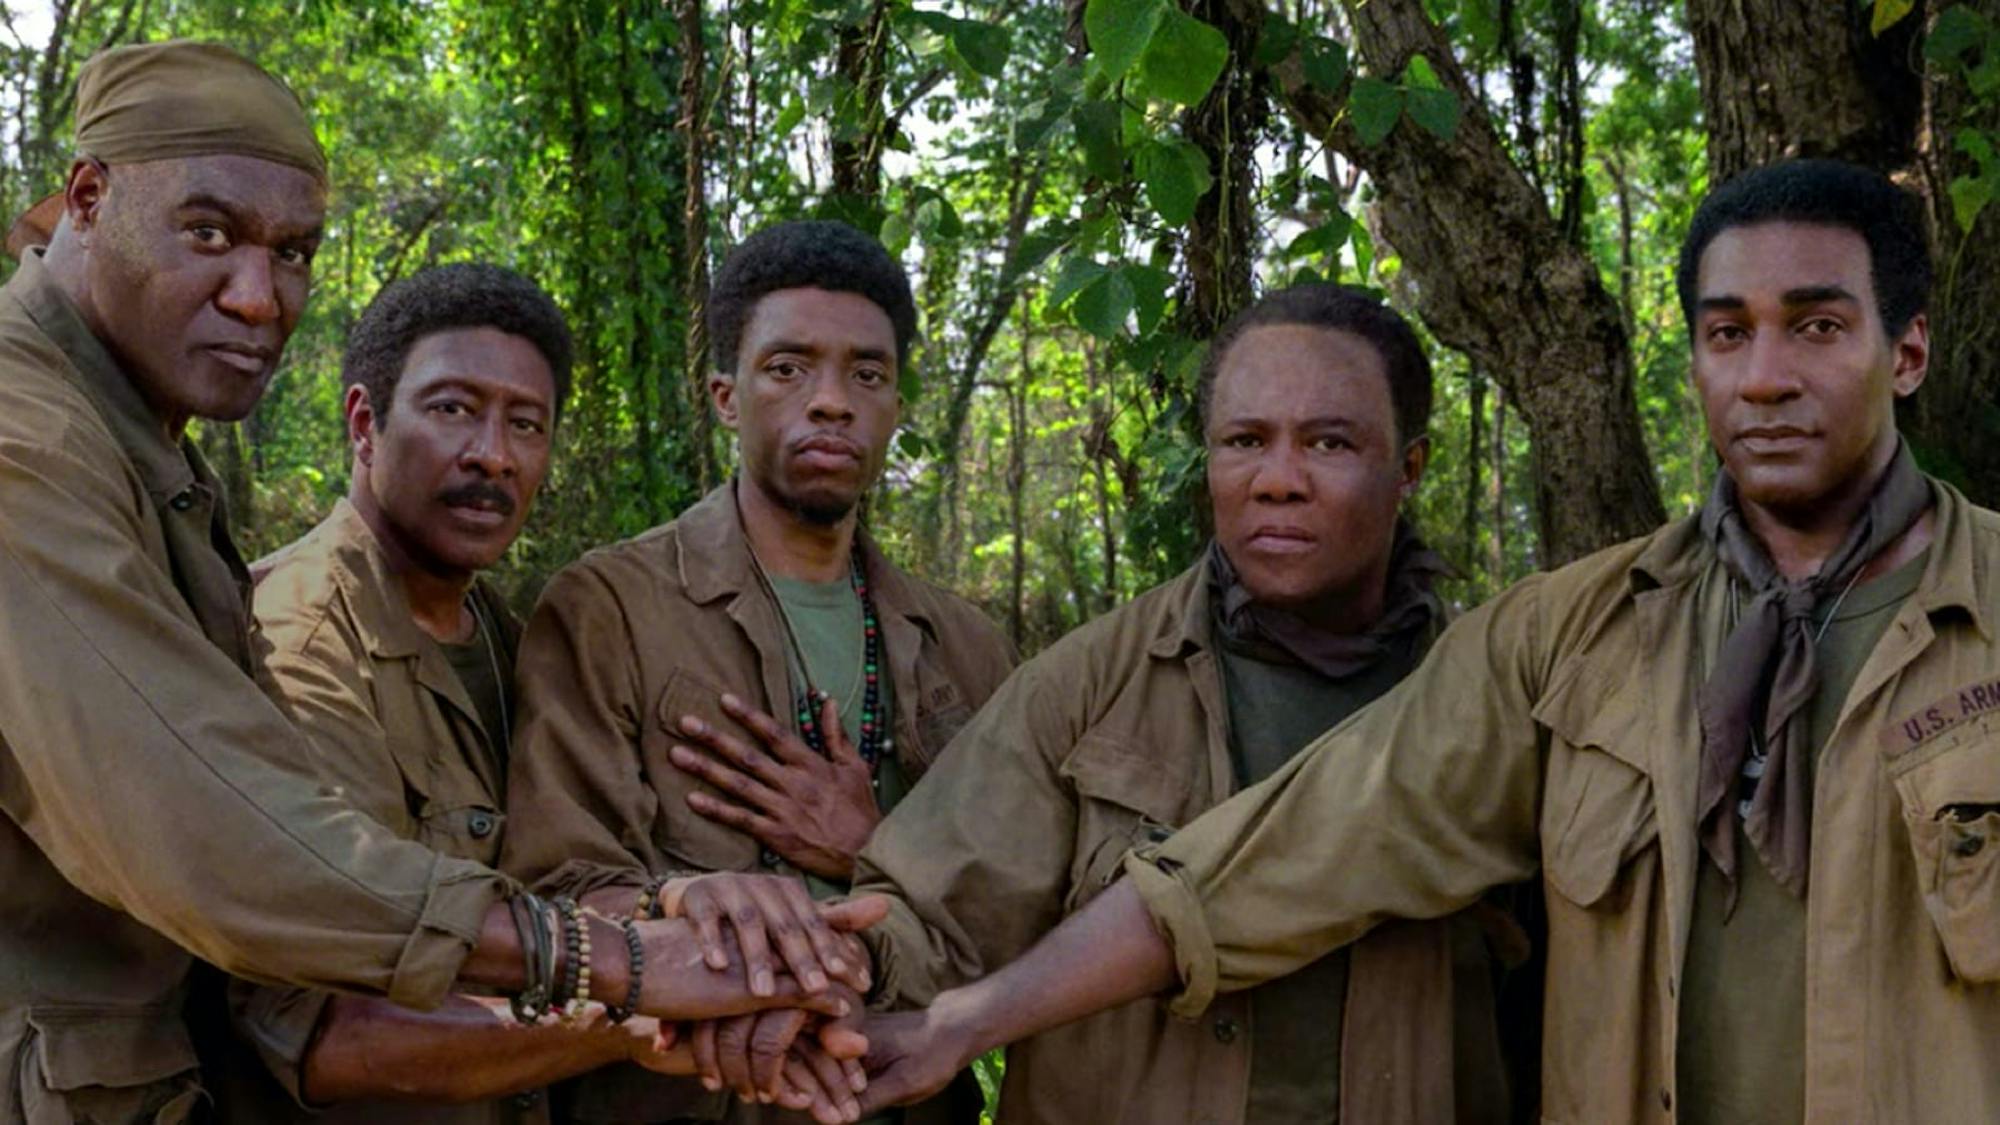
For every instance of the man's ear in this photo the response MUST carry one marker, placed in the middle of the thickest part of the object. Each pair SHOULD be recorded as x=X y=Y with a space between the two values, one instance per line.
x=83 y=195
x=1913 y=355
x=722 y=392
x=361 y=423
x=1416 y=458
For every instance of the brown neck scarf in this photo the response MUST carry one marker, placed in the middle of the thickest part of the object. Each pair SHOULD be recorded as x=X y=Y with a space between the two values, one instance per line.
x=1410 y=606
x=1767 y=667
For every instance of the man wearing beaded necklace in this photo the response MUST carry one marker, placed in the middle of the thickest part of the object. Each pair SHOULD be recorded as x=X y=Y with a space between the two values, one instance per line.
x=395 y=661
x=768 y=595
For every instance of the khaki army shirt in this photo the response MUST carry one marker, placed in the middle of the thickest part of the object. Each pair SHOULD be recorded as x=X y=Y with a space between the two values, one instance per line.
x=150 y=804
x=633 y=636
x=1556 y=728
x=390 y=728
x=1111 y=739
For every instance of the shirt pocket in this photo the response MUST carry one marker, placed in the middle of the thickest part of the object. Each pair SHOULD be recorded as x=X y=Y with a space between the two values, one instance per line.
x=1950 y=793
x=1598 y=811
x=1125 y=799
x=85 y=1064
x=690 y=839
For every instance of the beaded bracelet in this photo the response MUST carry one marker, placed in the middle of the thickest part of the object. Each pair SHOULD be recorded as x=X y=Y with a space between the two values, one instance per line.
x=635 y=973
x=581 y=995
x=573 y=953
x=649 y=900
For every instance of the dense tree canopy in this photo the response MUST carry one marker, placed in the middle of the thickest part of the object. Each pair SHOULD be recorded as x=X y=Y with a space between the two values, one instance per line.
x=1083 y=191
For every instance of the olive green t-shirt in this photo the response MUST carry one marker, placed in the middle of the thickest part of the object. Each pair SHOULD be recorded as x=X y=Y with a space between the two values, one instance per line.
x=1276 y=708
x=1743 y=995
x=485 y=668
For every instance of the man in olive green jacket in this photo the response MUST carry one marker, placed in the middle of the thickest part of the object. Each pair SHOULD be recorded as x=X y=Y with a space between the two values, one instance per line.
x=1314 y=599
x=767 y=591
x=396 y=662
x=1752 y=753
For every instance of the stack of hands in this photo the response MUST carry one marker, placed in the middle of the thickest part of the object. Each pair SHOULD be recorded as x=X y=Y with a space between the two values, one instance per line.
x=779 y=983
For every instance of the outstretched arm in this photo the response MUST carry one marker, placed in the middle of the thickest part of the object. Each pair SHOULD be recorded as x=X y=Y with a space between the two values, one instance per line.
x=1107 y=954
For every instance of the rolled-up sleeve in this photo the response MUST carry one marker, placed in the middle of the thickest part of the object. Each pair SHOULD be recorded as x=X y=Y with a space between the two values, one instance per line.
x=159 y=779
x=1412 y=808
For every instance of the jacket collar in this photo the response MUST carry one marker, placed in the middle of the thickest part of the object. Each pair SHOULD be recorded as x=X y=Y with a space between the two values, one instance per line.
x=1186 y=626
x=1955 y=577
x=715 y=560
x=164 y=466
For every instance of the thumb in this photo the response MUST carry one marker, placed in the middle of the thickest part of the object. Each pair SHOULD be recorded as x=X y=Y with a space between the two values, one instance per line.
x=855 y=914
x=837 y=744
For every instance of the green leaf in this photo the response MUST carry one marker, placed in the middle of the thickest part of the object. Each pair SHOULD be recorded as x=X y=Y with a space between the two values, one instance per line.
x=983 y=46
x=911 y=444
x=1183 y=59
x=1149 y=294
x=1419 y=74
x=936 y=215
x=1958 y=29
x=1374 y=106
x=1325 y=63
x=1176 y=176
x=1978 y=146
x=896 y=233
x=1888 y=13
x=1118 y=31
x=1322 y=239
x=1072 y=276
x=1436 y=110
x=1276 y=41
x=1097 y=132
x=1033 y=251
x=1037 y=119
x=1969 y=196
x=789 y=117
x=1364 y=252
x=1103 y=305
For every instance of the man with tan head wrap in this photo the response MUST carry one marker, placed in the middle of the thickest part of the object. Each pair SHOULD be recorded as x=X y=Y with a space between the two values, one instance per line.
x=153 y=806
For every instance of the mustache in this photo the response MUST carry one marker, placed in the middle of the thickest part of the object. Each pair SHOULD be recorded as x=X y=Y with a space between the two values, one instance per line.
x=478 y=492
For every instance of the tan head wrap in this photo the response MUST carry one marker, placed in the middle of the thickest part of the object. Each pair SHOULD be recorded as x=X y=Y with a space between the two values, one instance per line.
x=157 y=101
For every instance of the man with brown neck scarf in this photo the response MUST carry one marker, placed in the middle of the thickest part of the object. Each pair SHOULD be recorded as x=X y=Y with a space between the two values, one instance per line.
x=1314 y=599
x=1808 y=667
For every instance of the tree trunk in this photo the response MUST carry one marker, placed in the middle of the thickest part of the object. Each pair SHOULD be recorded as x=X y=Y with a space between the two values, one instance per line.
x=1017 y=481
x=1779 y=80
x=693 y=124
x=1222 y=239
x=1495 y=279
x=861 y=62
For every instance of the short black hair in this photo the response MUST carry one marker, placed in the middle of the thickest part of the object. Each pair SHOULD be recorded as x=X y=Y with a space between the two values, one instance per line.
x=461 y=295
x=1826 y=193
x=805 y=254
x=1337 y=307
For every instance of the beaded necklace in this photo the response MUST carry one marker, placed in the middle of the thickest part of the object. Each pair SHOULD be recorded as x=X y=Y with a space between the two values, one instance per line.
x=875 y=740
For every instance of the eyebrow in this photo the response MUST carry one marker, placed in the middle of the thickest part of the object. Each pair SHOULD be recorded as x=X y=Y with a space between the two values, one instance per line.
x=235 y=212
x=782 y=346
x=1803 y=295
x=1320 y=422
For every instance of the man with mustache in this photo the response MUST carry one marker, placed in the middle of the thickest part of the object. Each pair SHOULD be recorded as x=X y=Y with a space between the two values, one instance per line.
x=766 y=595
x=154 y=805
x=1754 y=754
x=396 y=662
x=1314 y=598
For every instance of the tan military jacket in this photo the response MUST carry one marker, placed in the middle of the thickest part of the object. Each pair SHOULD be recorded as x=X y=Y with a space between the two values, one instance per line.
x=633 y=636
x=149 y=799
x=390 y=728
x=1108 y=740
x=1556 y=728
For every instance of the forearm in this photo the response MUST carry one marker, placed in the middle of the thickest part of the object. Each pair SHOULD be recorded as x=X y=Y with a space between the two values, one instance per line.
x=465 y=1050
x=1107 y=954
